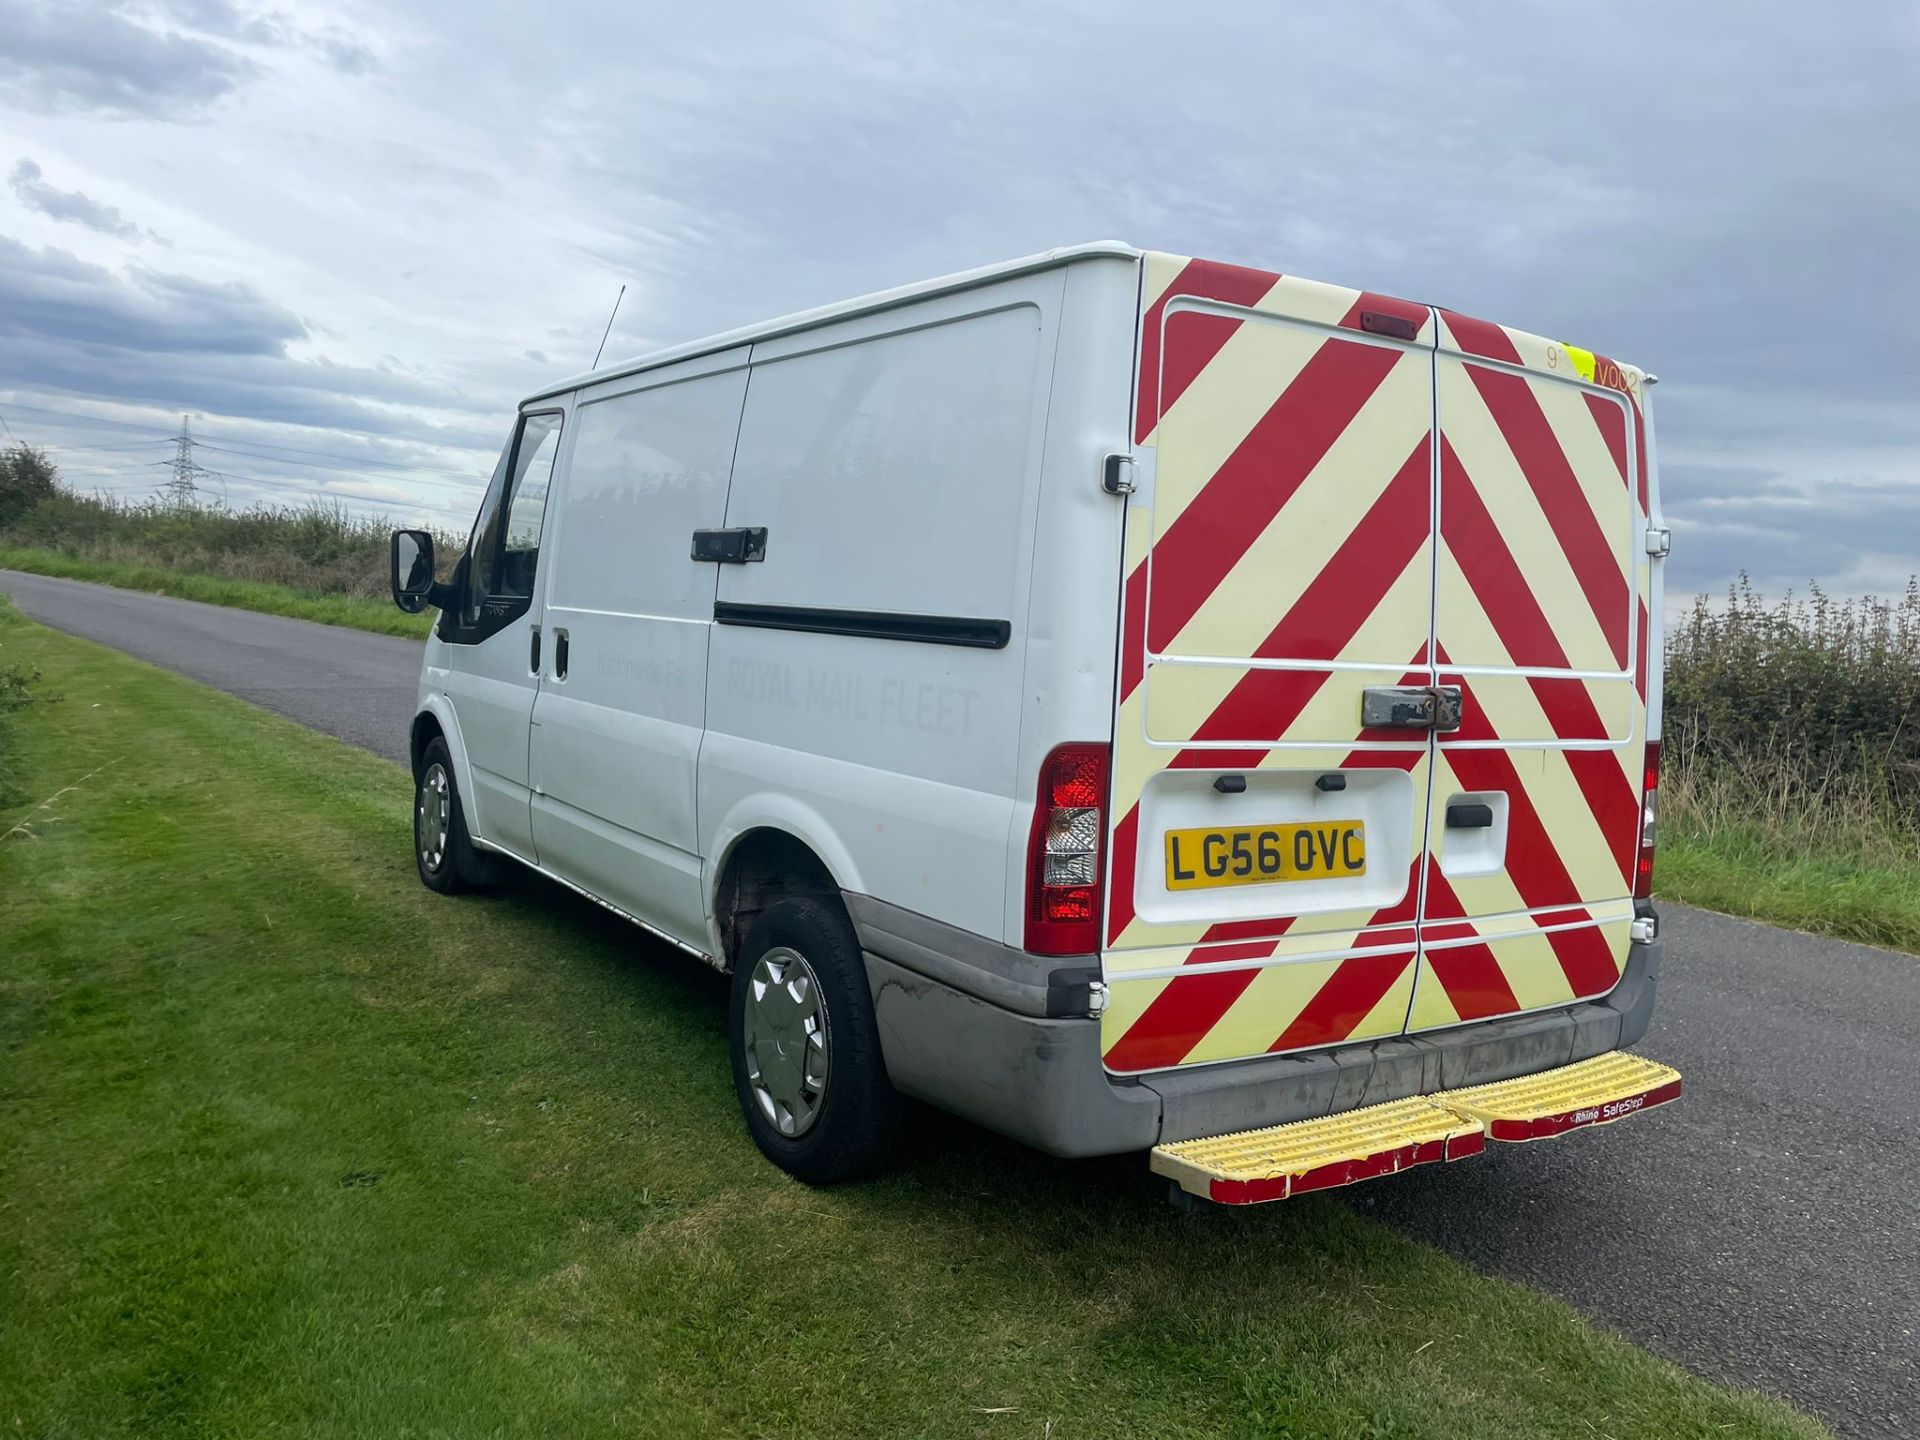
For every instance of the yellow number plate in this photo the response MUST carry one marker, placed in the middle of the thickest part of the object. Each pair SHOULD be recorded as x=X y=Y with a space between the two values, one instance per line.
x=1264 y=854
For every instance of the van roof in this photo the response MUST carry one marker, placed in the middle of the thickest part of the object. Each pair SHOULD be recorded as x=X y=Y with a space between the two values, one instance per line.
x=823 y=314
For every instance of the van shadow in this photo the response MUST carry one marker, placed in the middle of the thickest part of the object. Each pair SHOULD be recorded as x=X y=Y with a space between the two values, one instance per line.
x=1100 y=1228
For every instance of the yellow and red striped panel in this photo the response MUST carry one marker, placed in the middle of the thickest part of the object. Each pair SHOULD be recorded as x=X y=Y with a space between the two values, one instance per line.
x=1306 y=534
x=1280 y=562
x=1540 y=619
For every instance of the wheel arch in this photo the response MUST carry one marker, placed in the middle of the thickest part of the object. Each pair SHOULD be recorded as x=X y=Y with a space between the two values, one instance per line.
x=435 y=717
x=760 y=864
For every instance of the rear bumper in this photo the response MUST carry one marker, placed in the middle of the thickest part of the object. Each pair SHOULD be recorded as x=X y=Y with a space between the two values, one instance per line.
x=950 y=1038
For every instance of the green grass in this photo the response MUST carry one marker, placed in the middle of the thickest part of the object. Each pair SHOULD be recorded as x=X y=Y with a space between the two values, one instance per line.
x=379 y=616
x=1782 y=839
x=290 y=1146
x=1747 y=870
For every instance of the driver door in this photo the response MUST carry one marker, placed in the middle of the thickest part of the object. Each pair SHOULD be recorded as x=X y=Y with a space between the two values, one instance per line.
x=493 y=634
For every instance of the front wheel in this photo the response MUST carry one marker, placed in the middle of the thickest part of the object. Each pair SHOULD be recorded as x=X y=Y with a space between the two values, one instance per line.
x=442 y=850
x=807 y=1066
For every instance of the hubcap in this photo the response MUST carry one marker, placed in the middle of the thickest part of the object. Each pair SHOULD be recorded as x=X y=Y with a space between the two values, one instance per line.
x=786 y=1040
x=432 y=817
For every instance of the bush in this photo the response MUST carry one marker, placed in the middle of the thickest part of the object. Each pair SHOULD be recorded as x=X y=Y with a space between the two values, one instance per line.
x=27 y=479
x=1798 y=715
x=320 y=546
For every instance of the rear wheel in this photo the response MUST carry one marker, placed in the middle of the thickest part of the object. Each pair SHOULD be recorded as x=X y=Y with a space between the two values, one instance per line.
x=442 y=849
x=807 y=1066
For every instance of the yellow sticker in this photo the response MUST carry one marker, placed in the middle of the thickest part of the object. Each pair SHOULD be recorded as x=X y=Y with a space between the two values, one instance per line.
x=1582 y=361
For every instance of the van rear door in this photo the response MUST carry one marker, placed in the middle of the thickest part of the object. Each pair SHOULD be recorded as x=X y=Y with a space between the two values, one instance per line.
x=1266 y=850
x=1541 y=622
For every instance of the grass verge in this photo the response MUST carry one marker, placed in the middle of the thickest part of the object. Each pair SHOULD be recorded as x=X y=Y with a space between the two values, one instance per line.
x=288 y=1144
x=1744 y=870
x=1794 y=844
x=359 y=613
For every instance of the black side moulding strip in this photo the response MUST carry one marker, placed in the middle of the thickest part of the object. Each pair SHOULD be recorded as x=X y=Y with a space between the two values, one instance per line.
x=873 y=624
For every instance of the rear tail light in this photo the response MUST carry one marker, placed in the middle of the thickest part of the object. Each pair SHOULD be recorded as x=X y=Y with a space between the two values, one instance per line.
x=1066 y=852
x=1649 y=814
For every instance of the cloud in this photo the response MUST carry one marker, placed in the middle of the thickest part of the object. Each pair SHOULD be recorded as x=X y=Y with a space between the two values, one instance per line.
x=88 y=57
x=147 y=337
x=464 y=185
x=50 y=295
x=72 y=205
x=337 y=46
x=343 y=51
x=1852 y=537
x=218 y=17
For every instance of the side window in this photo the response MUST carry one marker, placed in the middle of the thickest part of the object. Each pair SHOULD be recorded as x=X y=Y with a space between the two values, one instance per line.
x=506 y=539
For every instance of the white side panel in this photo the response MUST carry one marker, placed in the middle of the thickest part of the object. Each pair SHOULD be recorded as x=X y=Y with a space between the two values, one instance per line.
x=617 y=736
x=1073 y=611
x=895 y=462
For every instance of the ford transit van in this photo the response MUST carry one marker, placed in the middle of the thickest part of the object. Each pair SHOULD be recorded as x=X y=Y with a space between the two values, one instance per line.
x=1133 y=702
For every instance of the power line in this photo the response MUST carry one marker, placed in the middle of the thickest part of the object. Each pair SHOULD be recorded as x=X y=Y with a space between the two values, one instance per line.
x=242 y=440
x=129 y=484
x=420 y=477
x=330 y=455
x=90 y=419
x=337 y=494
x=185 y=443
x=138 y=482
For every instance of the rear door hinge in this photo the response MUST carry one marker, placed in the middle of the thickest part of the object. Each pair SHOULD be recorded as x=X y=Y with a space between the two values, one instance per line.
x=1096 y=996
x=1116 y=475
x=1659 y=540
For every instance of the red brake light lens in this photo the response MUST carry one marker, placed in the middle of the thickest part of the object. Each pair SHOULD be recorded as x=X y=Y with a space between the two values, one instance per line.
x=1066 y=852
x=1649 y=817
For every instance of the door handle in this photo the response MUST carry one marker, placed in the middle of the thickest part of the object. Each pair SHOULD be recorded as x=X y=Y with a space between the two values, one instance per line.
x=1410 y=707
x=562 y=644
x=533 y=649
x=1469 y=815
x=741 y=545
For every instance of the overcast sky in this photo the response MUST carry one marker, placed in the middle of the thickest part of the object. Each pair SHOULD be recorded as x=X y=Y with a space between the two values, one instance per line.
x=349 y=237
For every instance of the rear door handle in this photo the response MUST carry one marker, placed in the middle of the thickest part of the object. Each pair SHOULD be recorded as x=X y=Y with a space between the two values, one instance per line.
x=1410 y=707
x=1469 y=815
x=562 y=645
x=741 y=545
x=533 y=649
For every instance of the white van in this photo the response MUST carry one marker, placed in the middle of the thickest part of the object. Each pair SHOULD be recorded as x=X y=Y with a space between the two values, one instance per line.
x=1132 y=702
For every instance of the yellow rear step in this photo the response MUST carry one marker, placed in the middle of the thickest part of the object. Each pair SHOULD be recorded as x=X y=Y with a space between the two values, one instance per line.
x=1283 y=1160
x=1592 y=1092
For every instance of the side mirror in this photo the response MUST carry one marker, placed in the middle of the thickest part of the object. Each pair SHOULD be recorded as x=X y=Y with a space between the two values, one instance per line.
x=411 y=570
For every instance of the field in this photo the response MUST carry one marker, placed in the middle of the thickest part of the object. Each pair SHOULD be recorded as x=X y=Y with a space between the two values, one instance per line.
x=288 y=1145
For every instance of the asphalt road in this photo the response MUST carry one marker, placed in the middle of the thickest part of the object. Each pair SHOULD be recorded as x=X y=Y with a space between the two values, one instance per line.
x=348 y=683
x=1764 y=1231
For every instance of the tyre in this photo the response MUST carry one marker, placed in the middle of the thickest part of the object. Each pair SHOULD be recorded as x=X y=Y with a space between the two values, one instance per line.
x=806 y=1052
x=442 y=850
